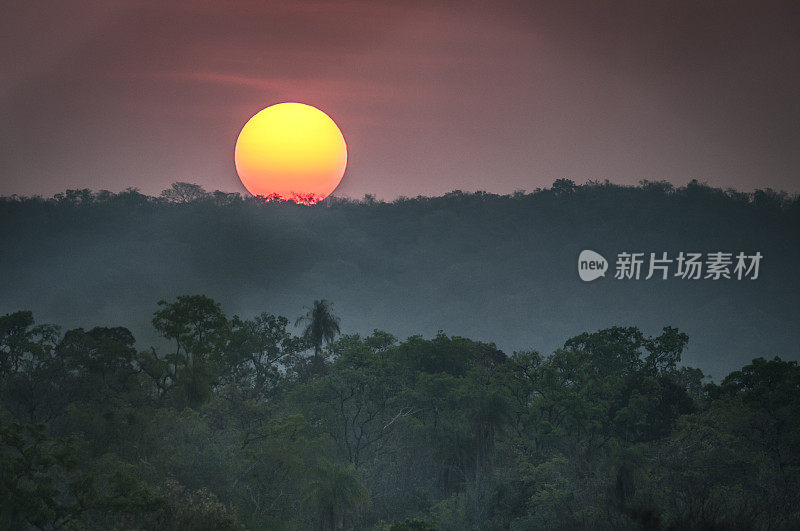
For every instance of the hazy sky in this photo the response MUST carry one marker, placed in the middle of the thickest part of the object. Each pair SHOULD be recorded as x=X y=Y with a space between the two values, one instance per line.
x=430 y=96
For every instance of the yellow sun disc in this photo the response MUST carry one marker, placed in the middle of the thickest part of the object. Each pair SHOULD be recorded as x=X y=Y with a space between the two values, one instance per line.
x=291 y=151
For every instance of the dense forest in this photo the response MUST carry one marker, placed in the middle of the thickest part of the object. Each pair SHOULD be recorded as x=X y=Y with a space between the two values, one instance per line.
x=243 y=423
x=495 y=268
x=245 y=419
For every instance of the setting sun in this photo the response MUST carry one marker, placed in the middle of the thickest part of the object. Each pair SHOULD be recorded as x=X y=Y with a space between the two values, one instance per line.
x=291 y=151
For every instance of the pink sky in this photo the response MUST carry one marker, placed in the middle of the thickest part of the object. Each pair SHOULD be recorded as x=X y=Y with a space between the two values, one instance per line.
x=431 y=96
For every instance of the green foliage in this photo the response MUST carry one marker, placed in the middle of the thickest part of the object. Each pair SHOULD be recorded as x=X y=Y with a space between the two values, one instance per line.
x=321 y=326
x=409 y=525
x=32 y=471
x=228 y=428
x=332 y=495
x=44 y=485
x=199 y=510
x=490 y=267
x=200 y=330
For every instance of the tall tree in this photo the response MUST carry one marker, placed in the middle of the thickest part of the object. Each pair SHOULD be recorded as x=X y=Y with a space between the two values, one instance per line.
x=200 y=330
x=333 y=494
x=321 y=325
x=181 y=192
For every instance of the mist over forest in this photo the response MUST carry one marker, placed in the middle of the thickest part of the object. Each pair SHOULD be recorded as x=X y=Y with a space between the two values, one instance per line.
x=499 y=268
x=176 y=362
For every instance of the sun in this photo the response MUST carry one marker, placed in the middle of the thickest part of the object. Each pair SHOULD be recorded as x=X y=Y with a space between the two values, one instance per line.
x=291 y=151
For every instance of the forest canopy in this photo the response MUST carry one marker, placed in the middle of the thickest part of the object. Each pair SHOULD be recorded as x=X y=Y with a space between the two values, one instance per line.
x=249 y=423
x=498 y=268
x=319 y=421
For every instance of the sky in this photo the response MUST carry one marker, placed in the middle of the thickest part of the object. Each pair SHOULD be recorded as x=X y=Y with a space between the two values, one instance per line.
x=430 y=96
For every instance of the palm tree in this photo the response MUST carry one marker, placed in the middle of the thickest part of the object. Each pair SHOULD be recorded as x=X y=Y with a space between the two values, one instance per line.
x=321 y=325
x=333 y=493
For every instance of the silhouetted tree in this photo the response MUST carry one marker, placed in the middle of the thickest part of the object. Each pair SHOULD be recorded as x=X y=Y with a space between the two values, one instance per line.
x=181 y=192
x=321 y=325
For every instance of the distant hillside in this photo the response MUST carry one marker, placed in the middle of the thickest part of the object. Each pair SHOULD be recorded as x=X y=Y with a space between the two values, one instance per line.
x=489 y=267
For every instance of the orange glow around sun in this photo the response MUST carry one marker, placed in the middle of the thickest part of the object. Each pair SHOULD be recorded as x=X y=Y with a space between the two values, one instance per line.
x=291 y=151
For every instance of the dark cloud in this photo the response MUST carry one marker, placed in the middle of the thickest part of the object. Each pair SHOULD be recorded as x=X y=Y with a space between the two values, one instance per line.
x=430 y=96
